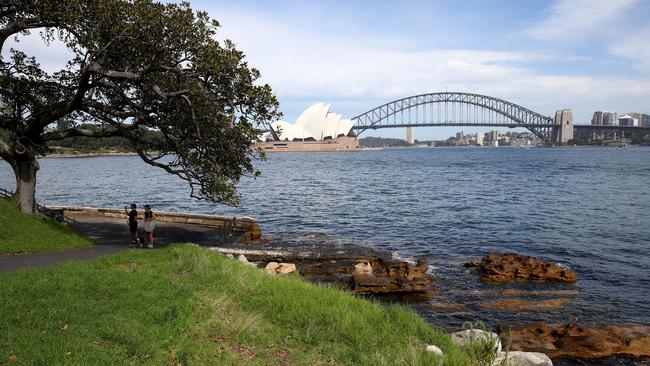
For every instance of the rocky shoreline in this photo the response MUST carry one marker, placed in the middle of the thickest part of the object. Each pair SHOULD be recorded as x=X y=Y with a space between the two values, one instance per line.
x=366 y=271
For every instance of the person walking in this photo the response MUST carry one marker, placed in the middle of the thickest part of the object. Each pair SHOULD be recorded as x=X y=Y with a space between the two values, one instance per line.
x=149 y=225
x=133 y=224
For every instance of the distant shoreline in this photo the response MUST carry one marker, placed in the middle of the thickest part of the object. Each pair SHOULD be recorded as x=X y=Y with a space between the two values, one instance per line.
x=89 y=155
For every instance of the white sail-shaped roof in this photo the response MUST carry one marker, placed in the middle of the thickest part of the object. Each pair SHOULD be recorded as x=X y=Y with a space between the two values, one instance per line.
x=344 y=127
x=288 y=131
x=331 y=124
x=314 y=123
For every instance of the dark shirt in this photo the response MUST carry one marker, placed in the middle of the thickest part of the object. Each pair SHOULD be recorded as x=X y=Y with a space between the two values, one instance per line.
x=133 y=216
x=148 y=214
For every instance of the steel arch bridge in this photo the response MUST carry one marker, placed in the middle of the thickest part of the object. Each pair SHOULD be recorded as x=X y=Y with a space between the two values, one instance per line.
x=455 y=109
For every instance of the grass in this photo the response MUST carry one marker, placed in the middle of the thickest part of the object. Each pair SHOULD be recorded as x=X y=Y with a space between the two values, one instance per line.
x=185 y=305
x=20 y=233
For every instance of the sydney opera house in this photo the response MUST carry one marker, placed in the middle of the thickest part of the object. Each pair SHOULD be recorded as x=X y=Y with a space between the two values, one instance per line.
x=316 y=129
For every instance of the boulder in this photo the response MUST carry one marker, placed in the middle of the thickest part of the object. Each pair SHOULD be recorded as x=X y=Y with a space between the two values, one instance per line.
x=392 y=276
x=433 y=349
x=468 y=336
x=242 y=258
x=286 y=268
x=576 y=340
x=271 y=267
x=512 y=266
x=519 y=358
x=363 y=267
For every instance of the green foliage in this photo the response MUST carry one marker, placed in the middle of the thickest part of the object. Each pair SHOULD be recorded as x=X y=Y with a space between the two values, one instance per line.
x=186 y=305
x=382 y=142
x=20 y=233
x=140 y=69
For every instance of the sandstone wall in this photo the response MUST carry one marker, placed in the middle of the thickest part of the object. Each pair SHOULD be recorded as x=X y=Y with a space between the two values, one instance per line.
x=238 y=224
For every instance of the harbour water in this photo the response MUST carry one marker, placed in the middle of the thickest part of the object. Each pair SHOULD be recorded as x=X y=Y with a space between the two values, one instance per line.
x=584 y=208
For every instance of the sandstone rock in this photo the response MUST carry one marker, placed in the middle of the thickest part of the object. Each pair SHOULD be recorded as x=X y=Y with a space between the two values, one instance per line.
x=393 y=276
x=433 y=349
x=576 y=340
x=271 y=267
x=511 y=266
x=519 y=358
x=252 y=236
x=473 y=264
x=465 y=337
x=242 y=258
x=517 y=304
x=286 y=268
x=230 y=256
x=363 y=267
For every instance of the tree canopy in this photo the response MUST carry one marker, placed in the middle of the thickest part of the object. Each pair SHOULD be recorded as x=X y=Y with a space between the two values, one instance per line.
x=137 y=66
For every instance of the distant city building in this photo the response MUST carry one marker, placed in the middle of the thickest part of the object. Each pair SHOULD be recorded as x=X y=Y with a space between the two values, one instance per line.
x=479 y=139
x=645 y=120
x=610 y=119
x=494 y=135
x=628 y=120
x=410 y=137
x=603 y=118
x=597 y=119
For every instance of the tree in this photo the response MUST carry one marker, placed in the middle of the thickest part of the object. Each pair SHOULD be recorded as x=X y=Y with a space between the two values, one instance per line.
x=137 y=66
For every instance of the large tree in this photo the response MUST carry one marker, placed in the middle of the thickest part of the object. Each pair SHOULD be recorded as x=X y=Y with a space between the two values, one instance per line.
x=136 y=66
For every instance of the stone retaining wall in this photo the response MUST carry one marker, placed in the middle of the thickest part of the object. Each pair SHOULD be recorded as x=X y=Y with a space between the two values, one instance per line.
x=248 y=227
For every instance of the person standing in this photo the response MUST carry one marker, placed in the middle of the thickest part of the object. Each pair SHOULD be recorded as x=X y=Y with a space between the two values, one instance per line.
x=133 y=224
x=149 y=225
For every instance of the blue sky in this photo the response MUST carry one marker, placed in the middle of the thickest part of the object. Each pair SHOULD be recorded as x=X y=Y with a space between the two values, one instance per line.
x=586 y=55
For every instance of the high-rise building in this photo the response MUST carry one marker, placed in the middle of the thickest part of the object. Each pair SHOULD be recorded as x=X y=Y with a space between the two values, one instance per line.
x=628 y=120
x=410 y=137
x=597 y=119
x=494 y=135
x=479 y=139
x=610 y=119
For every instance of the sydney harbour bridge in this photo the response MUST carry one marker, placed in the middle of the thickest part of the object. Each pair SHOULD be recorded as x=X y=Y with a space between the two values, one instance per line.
x=468 y=109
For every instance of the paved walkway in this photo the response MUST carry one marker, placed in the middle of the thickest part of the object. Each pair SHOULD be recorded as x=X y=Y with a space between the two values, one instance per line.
x=111 y=236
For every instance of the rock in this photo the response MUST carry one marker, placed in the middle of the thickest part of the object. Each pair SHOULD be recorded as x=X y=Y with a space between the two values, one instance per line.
x=230 y=256
x=252 y=236
x=245 y=261
x=286 y=268
x=465 y=337
x=271 y=267
x=517 y=304
x=511 y=266
x=576 y=340
x=363 y=267
x=433 y=349
x=473 y=264
x=393 y=276
x=519 y=358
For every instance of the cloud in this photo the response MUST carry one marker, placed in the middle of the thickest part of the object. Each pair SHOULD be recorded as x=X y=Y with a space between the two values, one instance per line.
x=356 y=73
x=575 y=20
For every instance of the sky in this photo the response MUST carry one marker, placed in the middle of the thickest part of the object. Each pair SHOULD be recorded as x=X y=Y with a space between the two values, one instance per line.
x=586 y=55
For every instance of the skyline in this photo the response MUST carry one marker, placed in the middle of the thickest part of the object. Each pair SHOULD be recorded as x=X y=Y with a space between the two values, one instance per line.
x=584 y=55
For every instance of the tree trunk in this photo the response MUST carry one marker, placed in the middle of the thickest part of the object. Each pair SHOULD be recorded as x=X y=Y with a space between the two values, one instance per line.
x=25 y=170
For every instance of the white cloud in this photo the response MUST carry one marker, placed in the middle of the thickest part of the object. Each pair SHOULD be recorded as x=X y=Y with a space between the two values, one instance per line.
x=358 y=73
x=574 y=20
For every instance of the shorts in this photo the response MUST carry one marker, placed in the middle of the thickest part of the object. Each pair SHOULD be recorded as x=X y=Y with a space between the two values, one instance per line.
x=133 y=227
x=149 y=226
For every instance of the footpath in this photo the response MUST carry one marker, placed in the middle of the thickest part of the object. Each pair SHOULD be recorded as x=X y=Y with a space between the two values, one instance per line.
x=111 y=236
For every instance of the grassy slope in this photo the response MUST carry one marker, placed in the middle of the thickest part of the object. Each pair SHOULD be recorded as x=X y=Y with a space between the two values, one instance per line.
x=20 y=233
x=186 y=305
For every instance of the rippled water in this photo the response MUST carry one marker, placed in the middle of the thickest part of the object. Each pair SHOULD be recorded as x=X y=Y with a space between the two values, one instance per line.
x=586 y=208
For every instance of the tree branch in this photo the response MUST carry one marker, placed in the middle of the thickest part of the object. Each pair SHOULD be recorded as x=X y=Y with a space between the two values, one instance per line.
x=79 y=132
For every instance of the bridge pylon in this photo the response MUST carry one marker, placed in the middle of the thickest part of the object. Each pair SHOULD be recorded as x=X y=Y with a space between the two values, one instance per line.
x=563 y=126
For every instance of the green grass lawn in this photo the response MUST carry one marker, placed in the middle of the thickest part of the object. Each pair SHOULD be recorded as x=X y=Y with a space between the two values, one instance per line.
x=20 y=233
x=184 y=305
